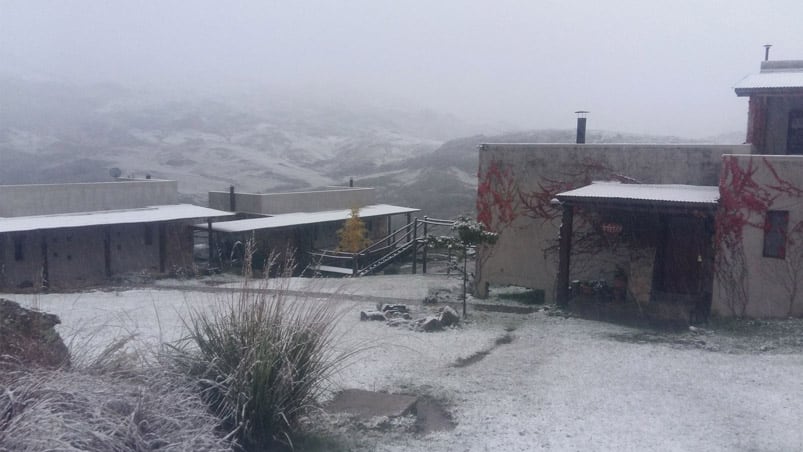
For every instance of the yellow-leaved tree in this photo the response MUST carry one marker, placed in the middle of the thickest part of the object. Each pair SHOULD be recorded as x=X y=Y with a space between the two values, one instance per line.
x=352 y=235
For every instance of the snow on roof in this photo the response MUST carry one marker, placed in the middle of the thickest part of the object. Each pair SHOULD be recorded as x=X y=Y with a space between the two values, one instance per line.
x=107 y=217
x=654 y=193
x=300 y=218
x=769 y=81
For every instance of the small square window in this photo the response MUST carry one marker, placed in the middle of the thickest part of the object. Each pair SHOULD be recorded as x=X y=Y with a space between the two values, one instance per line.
x=776 y=226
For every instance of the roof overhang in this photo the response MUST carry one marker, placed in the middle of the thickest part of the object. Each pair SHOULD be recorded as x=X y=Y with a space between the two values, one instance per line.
x=667 y=198
x=771 y=83
x=304 y=218
x=151 y=214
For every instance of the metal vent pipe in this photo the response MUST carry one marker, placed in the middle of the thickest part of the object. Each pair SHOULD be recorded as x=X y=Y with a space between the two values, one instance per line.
x=581 y=126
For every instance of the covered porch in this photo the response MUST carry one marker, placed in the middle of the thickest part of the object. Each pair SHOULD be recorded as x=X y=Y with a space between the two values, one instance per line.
x=642 y=246
x=305 y=233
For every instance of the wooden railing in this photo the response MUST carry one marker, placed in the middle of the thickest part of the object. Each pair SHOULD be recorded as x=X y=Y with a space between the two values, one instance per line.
x=408 y=238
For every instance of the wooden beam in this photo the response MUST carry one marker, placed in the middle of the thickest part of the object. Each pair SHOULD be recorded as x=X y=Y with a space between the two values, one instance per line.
x=564 y=255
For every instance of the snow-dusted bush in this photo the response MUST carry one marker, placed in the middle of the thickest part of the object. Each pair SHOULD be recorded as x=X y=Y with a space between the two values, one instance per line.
x=95 y=409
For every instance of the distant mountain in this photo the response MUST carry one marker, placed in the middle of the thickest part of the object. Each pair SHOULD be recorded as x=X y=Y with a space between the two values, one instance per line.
x=54 y=132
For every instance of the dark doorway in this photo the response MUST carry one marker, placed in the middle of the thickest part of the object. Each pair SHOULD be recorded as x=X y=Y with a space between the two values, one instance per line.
x=684 y=257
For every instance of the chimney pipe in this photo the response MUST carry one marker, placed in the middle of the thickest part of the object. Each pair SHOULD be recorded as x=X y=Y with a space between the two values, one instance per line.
x=581 y=126
x=232 y=199
x=767 y=52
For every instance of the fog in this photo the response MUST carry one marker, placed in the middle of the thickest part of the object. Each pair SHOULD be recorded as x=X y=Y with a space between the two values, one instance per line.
x=661 y=67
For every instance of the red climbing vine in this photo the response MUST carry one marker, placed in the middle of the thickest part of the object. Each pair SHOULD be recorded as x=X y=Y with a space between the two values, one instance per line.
x=537 y=204
x=744 y=202
x=497 y=204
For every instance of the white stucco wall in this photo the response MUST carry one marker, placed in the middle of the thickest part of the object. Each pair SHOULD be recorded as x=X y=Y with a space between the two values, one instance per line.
x=774 y=286
x=309 y=201
x=45 y=199
x=518 y=258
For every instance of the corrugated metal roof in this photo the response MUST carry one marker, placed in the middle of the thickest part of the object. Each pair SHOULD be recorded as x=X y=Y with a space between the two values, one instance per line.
x=769 y=81
x=301 y=218
x=652 y=193
x=108 y=217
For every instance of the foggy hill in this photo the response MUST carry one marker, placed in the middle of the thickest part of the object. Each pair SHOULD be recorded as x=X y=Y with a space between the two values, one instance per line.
x=443 y=183
x=56 y=132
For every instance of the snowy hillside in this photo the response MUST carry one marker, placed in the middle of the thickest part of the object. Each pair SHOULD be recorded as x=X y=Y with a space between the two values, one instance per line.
x=54 y=132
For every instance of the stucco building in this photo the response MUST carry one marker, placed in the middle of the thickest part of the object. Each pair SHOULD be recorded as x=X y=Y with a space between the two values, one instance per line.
x=305 y=222
x=68 y=236
x=690 y=228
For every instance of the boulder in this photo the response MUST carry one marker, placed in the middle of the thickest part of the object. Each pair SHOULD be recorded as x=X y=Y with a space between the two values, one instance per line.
x=399 y=322
x=372 y=315
x=394 y=308
x=430 y=324
x=29 y=337
x=448 y=316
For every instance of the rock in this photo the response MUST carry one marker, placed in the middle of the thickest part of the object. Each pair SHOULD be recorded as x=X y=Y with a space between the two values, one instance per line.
x=431 y=299
x=368 y=405
x=398 y=315
x=394 y=308
x=28 y=337
x=448 y=316
x=399 y=322
x=372 y=315
x=430 y=324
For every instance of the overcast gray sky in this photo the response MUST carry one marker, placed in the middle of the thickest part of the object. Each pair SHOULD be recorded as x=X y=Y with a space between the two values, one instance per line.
x=652 y=66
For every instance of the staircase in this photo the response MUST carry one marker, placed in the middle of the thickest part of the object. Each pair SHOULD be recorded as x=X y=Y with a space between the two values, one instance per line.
x=403 y=241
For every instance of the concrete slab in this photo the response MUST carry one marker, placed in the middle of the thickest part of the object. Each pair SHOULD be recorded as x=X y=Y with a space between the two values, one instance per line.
x=369 y=404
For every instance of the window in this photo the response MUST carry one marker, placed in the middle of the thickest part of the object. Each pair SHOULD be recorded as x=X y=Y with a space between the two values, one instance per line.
x=148 y=235
x=775 y=227
x=19 y=248
x=794 y=135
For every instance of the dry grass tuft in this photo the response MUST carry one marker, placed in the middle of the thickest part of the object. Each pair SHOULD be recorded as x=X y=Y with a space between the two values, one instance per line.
x=82 y=410
x=262 y=359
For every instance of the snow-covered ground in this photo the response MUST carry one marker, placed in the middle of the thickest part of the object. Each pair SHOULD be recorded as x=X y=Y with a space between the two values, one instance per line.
x=561 y=384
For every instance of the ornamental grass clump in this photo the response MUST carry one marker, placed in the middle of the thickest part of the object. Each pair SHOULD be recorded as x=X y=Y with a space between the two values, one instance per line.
x=261 y=359
x=116 y=403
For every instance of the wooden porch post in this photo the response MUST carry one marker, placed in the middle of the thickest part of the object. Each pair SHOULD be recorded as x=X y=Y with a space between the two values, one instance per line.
x=45 y=268
x=564 y=254
x=424 y=252
x=210 y=243
x=162 y=247
x=389 y=230
x=415 y=243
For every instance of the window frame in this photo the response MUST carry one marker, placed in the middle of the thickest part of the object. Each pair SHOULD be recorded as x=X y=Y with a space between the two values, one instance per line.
x=776 y=234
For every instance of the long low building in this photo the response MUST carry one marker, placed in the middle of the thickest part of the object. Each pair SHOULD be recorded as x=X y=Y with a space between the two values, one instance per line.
x=305 y=222
x=68 y=236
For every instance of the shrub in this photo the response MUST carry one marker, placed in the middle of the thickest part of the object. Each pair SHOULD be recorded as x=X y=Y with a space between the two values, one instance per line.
x=261 y=360
x=126 y=406
x=353 y=233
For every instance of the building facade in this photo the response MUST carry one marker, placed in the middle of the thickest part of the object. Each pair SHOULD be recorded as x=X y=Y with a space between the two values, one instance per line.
x=70 y=236
x=737 y=254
